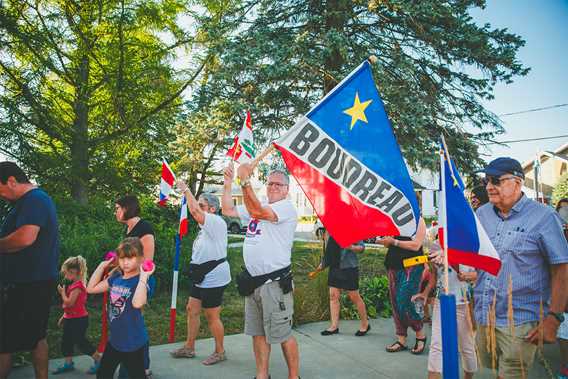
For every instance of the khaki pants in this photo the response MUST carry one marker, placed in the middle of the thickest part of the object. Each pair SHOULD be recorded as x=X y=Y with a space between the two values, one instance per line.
x=268 y=312
x=466 y=340
x=513 y=355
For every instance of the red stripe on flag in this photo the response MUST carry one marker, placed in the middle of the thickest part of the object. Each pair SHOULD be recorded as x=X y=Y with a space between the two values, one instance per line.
x=482 y=262
x=167 y=175
x=347 y=218
x=183 y=226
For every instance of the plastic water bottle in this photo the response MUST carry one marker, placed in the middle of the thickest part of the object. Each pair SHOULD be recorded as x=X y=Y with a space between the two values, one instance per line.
x=419 y=307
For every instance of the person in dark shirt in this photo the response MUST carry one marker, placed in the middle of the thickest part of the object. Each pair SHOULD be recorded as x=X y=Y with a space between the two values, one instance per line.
x=29 y=254
x=127 y=212
x=403 y=283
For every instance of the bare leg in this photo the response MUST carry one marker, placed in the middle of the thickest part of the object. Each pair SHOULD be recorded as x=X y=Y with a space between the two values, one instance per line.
x=216 y=327
x=261 y=355
x=360 y=304
x=467 y=375
x=292 y=357
x=434 y=375
x=5 y=365
x=40 y=358
x=334 y=306
x=193 y=311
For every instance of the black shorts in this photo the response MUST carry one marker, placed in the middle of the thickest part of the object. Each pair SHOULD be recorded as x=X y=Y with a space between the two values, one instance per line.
x=24 y=314
x=345 y=279
x=210 y=297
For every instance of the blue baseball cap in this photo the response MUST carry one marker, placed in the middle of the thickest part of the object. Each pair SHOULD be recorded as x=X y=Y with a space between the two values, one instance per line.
x=504 y=165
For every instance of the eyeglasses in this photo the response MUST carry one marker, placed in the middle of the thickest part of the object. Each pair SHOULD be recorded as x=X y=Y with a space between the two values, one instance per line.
x=496 y=181
x=279 y=185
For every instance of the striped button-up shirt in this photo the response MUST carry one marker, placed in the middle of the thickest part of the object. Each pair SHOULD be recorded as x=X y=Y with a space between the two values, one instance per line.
x=528 y=241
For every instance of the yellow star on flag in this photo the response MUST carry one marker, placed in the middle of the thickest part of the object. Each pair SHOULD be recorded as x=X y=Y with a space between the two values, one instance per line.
x=357 y=111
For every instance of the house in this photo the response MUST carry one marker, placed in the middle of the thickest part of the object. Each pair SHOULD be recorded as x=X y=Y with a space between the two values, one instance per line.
x=550 y=166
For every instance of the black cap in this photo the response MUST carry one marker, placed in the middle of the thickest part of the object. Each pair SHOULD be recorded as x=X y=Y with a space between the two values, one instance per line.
x=505 y=165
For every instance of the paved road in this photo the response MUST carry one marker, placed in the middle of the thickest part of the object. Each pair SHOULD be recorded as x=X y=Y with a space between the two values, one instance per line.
x=341 y=356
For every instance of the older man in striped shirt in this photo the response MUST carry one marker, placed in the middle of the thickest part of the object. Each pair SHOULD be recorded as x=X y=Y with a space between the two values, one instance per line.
x=529 y=294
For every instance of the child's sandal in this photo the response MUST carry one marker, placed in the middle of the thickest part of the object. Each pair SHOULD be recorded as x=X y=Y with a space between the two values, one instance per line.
x=65 y=367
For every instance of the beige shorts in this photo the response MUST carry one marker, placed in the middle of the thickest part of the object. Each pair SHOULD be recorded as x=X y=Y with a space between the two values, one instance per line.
x=514 y=356
x=466 y=340
x=268 y=312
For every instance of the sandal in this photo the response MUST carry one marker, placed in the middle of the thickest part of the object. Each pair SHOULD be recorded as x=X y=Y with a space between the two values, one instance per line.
x=417 y=351
x=183 y=352
x=65 y=367
x=215 y=358
x=396 y=347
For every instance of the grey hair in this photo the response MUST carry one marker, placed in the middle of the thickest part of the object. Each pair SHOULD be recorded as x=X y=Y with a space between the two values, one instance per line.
x=283 y=173
x=211 y=200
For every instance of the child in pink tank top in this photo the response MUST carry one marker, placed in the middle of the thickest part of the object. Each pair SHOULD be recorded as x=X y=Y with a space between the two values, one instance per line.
x=75 y=319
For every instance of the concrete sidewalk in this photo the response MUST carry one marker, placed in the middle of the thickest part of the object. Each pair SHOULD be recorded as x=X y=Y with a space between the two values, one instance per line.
x=340 y=356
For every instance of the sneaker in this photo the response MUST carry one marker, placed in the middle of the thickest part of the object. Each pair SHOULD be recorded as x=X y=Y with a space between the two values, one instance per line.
x=65 y=367
x=94 y=368
x=183 y=352
x=215 y=358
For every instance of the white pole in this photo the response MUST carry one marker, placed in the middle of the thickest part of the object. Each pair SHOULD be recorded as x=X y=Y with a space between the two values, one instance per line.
x=443 y=207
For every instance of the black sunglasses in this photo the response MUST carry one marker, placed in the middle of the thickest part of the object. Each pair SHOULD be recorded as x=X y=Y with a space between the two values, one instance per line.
x=496 y=181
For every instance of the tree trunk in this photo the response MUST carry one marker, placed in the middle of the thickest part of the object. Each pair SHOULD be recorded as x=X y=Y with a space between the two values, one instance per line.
x=80 y=140
x=336 y=14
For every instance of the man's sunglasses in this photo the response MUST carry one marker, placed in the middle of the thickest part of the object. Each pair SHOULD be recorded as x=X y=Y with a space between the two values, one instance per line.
x=496 y=181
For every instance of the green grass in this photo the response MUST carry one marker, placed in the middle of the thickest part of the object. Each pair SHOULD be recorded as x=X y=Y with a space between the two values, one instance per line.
x=310 y=298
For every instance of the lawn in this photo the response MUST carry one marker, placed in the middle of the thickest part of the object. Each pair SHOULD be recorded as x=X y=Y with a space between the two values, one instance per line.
x=305 y=258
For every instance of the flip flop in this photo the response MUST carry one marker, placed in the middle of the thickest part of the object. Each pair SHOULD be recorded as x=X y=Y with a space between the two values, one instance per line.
x=396 y=347
x=415 y=350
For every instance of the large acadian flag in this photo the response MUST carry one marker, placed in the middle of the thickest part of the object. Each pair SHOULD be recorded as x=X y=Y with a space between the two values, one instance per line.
x=468 y=242
x=345 y=157
x=242 y=150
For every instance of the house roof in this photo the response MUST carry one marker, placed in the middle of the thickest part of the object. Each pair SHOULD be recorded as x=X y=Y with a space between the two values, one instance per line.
x=561 y=153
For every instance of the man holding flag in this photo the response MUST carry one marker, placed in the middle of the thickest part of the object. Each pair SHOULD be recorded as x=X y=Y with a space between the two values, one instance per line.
x=267 y=282
x=209 y=273
x=525 y=302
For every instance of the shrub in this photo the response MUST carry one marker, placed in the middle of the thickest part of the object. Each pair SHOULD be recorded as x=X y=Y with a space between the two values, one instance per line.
x=375 y=294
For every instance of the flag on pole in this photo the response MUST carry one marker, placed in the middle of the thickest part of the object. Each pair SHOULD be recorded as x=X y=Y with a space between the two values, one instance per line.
x=166 y=183
x=242 y=150
x=468 y=242
x=183 y=223
x=344 y=155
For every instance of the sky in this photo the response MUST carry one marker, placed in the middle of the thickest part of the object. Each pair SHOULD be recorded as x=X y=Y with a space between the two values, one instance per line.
x=544 y=27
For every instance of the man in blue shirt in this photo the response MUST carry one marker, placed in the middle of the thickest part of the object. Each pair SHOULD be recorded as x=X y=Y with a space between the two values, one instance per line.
x=29 y=254
x=534 y=272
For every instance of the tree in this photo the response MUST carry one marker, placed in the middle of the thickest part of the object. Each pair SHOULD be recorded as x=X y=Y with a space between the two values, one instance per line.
x=89 y=93
x=560 y=189
x=435 y=66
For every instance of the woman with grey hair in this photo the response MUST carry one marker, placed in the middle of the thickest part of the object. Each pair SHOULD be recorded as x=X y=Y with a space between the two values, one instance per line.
x=209 y=273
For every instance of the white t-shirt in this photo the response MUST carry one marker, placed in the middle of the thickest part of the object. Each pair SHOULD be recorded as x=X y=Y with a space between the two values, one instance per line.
x=211 y=245
x=268 y=245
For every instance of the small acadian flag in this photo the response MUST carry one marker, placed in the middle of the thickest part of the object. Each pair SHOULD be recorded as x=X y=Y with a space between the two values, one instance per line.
x=166 y=183
x=242 y=150
x=183 y=218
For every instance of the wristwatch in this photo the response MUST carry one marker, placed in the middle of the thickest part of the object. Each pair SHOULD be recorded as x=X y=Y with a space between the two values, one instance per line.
x=559 y=316
x=245 y=183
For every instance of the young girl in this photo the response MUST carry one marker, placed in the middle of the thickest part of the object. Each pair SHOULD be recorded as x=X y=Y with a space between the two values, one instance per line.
x=128 y=294
x=75 y=318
